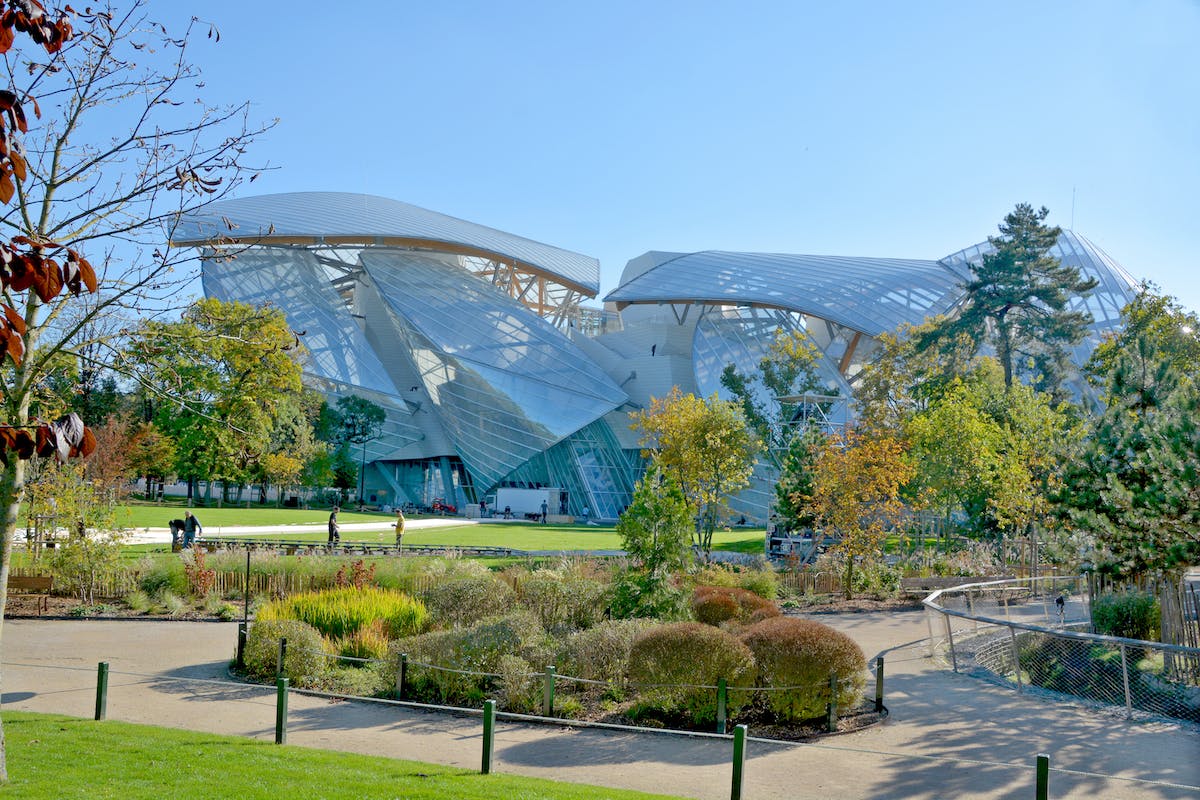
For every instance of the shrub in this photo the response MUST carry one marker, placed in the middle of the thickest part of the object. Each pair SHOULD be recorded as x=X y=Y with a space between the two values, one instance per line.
x=1132 y=615
x=518 y=686
x=305 y=663
x=200 y=578
x=221 y=609
x=339 y=613
x=672 y=661
x=563 y=599
x=795 y=658
x=139 y=601
x=479 y=648
x=714 y=605
x=162 y=574
x=172 y=603
x=763 y=581
x=635 y=595
x=602 y=653
x=466 y=600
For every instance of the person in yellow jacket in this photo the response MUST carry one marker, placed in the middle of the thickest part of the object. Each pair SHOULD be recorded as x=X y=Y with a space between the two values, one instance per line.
x=399 y=528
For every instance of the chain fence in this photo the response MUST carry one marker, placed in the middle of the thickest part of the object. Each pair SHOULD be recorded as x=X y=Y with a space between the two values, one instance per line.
x=828 y=705
x=1033 y=634
x=234 y=707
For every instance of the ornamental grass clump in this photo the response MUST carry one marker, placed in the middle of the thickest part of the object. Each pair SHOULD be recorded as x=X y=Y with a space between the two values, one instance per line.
x=714 y=605
x=674 y=670
x=339 y=613
x=795 y=658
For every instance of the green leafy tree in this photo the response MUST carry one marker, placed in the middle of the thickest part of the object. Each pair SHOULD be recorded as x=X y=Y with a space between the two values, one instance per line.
x=88 y=513
x=657 y=527
x=706 y=447
x=1017 y=300
x=362 y=422
x=231 y=369
x=794 y=490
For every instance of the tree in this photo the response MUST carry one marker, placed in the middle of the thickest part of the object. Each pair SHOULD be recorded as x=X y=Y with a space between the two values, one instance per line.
x=152 y=455
x=657 y=527
x=362 y=421
x=706 y=447
x=988 y=452
x=1017 y=300
x=856 y=495
x=1135 y=480
x=794 y=490
x=230 y=369
x=119 y=154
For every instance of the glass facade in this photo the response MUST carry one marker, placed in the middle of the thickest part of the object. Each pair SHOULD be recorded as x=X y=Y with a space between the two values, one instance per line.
x=438 y=321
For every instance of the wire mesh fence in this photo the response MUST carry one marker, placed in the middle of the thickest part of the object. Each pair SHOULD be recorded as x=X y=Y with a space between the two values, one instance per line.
x=1033 y=634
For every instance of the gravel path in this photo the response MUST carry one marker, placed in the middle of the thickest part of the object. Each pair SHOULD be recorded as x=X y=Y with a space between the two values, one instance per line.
x=948 y=735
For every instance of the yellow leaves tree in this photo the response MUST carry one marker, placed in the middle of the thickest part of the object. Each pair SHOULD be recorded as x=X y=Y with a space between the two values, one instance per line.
x=856 y=494
x=706 y=446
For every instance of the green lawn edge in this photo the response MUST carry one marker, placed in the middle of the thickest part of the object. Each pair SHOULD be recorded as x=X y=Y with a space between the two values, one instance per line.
x=70 y=757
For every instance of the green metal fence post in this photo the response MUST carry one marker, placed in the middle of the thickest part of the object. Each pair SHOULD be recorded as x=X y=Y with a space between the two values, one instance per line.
x=721 y=696
x=281 y=710
x=548 y=693
x=241 y=647
x=401 y=676
x=102 y=690
x=739 y=761
x=489 y=735
x=1043 y=777
x=831 y=708
x=282 y=655
x=878 y=684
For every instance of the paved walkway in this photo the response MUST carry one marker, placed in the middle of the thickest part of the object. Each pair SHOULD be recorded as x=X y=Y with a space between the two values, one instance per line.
x=163 y=535
x=948 y=735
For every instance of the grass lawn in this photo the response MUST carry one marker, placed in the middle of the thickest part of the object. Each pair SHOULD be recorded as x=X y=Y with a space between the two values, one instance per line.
x=517 y=535
x=157 y=516
x=68 y=757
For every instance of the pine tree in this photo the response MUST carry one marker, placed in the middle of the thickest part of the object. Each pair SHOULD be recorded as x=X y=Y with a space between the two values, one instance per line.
x=1017 y=301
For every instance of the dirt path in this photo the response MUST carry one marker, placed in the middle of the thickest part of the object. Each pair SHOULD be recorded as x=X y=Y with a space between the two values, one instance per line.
x=948 y=735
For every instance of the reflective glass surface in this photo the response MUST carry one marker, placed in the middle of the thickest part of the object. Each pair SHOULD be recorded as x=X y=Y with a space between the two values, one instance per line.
x=507 y=385
x=319 y=215
x=871 y=295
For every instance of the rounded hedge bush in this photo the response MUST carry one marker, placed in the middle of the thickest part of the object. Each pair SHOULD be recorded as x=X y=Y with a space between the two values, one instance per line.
x=671 y=666
x=713 y=605
x=795 y=658
x=1131 y=615
x=306 y=661
x=602 y=653
x=464 y=601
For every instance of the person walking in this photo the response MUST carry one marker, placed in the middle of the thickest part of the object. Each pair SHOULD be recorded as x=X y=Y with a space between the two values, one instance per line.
x=399 y=529
x=334 y=531
x=545 y=509
x=191 y=529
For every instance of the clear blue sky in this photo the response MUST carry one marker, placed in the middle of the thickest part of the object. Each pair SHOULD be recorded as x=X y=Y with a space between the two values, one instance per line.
x=851 y=128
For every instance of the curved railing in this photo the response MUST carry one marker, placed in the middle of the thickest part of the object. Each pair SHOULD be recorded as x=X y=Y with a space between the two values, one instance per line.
x=1018 y=633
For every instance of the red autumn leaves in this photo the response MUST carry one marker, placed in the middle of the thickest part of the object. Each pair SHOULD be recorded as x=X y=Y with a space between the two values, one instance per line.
x=42 y=267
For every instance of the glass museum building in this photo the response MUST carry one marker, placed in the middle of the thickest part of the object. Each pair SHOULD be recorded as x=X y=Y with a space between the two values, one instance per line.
x=493 y=371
